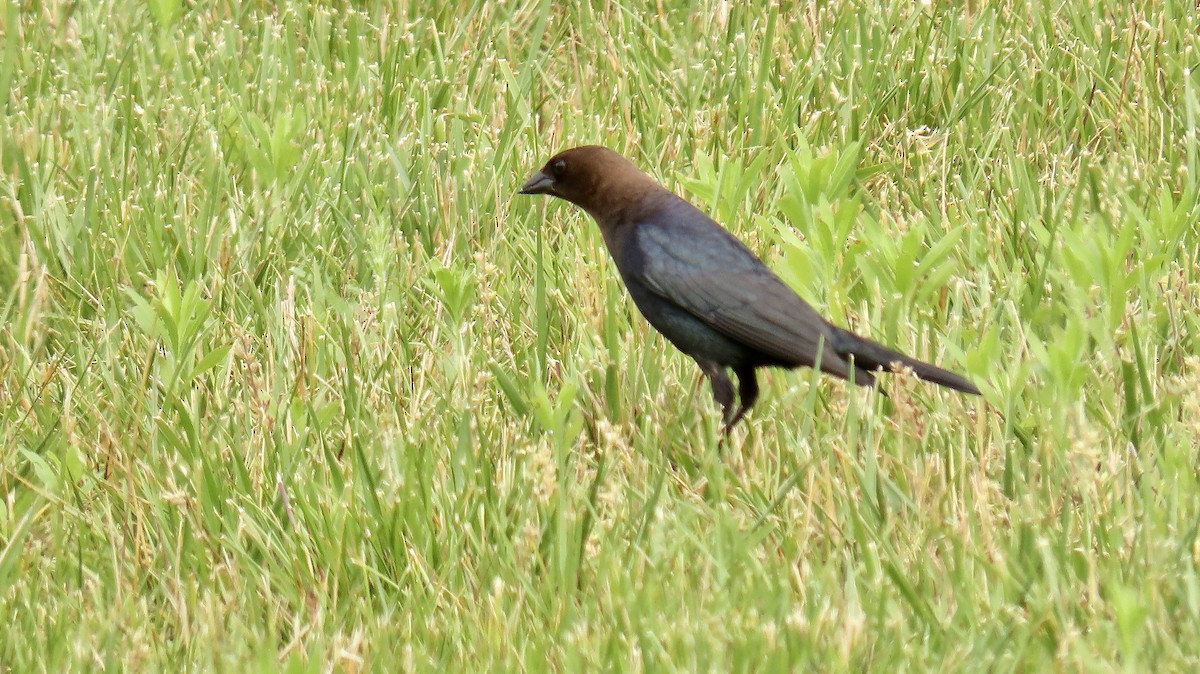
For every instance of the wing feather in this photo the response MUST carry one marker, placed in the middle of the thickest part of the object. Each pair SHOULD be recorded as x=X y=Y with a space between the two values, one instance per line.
x=717 y=279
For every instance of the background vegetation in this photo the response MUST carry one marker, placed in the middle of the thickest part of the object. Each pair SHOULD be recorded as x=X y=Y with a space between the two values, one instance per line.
x=291 y=380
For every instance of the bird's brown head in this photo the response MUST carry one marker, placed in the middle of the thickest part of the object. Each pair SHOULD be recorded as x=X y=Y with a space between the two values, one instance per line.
x=592 y=177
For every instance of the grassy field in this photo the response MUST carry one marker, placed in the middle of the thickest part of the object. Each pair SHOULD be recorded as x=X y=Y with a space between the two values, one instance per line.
x=291 y=380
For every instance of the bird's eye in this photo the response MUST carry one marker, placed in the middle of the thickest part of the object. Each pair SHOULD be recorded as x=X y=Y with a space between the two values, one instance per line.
x=558 y=167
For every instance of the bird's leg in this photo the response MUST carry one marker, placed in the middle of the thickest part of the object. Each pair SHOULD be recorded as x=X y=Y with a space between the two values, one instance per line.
x=747 y=394
x=722 y=387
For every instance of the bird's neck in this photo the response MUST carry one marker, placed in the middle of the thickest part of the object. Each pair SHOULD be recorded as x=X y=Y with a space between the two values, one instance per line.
x=637 y=201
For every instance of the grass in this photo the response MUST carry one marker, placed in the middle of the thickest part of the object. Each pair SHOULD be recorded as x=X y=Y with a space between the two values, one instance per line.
x=291 y=381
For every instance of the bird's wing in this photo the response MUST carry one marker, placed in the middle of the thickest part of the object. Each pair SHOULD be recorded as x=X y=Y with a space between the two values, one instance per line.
x=712 y=275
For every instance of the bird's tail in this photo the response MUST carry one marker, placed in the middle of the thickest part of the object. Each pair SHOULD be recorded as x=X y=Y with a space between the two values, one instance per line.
x=870 y=355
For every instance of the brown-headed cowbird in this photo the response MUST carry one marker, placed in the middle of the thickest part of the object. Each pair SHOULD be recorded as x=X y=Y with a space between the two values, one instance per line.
x=705 y=290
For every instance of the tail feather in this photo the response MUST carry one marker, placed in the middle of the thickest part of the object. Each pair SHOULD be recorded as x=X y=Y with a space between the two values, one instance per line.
x=870 y=355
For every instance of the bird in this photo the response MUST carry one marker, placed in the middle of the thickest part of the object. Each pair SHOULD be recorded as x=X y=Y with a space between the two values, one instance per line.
x=705 y=290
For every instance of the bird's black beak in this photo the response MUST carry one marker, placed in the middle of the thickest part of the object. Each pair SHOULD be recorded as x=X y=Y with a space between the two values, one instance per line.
x=538 y=183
